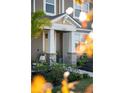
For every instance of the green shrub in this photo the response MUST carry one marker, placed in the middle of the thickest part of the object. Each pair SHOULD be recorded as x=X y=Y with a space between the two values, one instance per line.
x=57 y=89
x=74 y=77
x=82 y=60
x=86 y=76
x=54 y=73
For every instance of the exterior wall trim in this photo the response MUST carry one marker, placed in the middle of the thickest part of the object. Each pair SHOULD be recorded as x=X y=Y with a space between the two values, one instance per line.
x=74 y=21
x=87 y=30
x=74 y=10
x=33 y=5
x=55 y=26
x=68 y=17
x=57 y=18
x=63 y=10
x=61 y=27
x=59 y=6
x=80 y=9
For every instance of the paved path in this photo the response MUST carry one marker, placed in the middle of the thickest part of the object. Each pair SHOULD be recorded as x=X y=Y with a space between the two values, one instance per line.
x=80 y=71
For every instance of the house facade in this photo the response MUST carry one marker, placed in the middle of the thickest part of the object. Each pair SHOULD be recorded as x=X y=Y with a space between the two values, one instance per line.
x=59 y=41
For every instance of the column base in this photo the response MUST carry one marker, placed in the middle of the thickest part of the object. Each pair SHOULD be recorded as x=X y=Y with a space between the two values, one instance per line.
x=51 y=58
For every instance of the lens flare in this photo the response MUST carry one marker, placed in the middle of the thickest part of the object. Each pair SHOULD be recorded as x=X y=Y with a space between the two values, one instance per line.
x=69 y=10
x=79 y=2
x=40 y=85
x=82 y=16
x=89 y=89
x=89 y=15
x=84 y=24
x=92 y=25
x=80 y=49
x=67 y=86
x=85 y=47
x=37 y=84
x=91 y=35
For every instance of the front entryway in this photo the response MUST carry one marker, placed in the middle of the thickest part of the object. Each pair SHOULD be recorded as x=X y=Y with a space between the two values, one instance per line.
x=59 y=46
x=62 y=46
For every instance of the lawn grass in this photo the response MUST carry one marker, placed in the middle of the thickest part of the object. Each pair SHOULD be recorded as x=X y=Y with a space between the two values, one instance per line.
x=83 y=84
x=79 y=88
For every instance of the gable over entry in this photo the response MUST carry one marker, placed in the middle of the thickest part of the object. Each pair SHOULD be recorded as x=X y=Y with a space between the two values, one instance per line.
x=65 y=22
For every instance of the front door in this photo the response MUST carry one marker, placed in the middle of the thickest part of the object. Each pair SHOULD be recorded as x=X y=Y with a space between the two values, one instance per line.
x=59 y=46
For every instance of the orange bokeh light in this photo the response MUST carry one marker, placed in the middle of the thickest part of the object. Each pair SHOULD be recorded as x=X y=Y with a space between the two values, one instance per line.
x=40 y=85
x=85 y=47
x=84 y=24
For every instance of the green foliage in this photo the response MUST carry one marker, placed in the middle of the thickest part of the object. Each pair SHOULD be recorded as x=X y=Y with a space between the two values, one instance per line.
x=57 y=89
x=38 y=22
x=75 y=77
x=83 y=84
x=86 y=76
x=55 y=75
x=79 y=88
x=82 y=60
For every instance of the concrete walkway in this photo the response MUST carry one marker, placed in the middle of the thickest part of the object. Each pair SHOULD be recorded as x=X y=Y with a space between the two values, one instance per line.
x=80 y=71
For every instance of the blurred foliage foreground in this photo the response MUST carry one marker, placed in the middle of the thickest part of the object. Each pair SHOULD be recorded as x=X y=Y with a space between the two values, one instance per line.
x=57 y=79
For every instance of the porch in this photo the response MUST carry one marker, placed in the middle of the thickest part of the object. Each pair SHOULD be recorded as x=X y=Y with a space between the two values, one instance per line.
x=56 y=45
x=57 y=41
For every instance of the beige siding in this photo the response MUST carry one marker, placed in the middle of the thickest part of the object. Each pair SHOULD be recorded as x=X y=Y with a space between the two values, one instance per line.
x=57 y=7
x=68 y=3
x=38 y=5
x=36 y=47
x=60 y=6
x=31 y=5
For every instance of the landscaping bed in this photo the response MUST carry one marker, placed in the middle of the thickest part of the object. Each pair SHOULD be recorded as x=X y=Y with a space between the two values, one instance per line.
x=54 y=75
x=80 y=88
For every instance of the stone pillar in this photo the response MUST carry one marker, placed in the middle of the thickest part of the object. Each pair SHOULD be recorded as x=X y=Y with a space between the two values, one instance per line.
x=51 y=46
x=71 y=52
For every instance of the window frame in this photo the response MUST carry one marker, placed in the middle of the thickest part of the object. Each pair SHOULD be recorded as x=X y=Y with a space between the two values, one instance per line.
x=47 y=13
x=63 y=6
x=81 y=9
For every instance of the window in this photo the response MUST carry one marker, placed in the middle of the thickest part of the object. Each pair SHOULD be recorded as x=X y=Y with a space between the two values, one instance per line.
x=85 y=7
x=78 y=37
x=50 y=7
x=78 y=9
